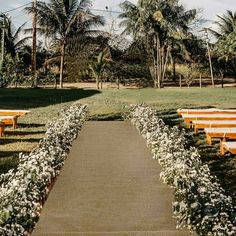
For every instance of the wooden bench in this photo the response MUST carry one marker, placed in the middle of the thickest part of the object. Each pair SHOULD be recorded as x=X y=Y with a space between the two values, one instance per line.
x=202 y=124
x=221 y=133
x=189 y=118
x=9 y=117
x=228 y=147
x=206 y=111
x=8 y=112
x=2 y=128
x=9 y=120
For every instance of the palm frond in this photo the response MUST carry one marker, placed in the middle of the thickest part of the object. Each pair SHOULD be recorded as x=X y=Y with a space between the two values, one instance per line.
x=22 y=42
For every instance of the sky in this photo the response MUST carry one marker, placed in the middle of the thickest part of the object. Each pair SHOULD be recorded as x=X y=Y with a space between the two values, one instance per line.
x=210 y=8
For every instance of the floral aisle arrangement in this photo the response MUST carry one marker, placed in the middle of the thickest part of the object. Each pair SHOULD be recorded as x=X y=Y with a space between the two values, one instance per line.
x=200 y=202
x=22 y=191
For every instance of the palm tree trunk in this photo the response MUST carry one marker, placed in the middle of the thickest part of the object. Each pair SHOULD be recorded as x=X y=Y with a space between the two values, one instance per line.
x=63 y=46
x=34 y=39
x=159 y=64
x=165 y=62
x=174 y=69
x=97 y=82
x=152 y=59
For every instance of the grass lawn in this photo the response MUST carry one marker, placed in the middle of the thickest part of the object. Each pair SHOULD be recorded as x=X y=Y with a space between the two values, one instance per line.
x=110 y=104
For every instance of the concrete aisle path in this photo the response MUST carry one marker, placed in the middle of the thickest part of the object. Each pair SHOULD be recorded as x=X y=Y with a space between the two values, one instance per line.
x=109 y=186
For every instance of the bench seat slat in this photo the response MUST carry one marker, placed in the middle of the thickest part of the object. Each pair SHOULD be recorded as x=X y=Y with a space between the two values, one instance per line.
x=206 y=111
x=5 y=112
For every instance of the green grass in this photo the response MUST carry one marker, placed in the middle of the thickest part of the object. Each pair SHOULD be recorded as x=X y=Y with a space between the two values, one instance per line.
x=34 y=98
x=109 y=105
x=113 y=101
x=45 y=105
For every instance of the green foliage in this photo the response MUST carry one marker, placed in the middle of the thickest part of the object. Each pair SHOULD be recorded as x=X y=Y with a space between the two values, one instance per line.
x=65 y=20
x=14 y=41
x=189 y=72
x=225 y=48
x=158 y=24
x=225 y=24
x=80 y=53
x=129 y=66
x=101 y=61
x=224 y=51
x=98 y=66
x=11 y=71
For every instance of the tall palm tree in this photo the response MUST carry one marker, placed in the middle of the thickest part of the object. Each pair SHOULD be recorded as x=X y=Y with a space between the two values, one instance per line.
x=65 y=18
x=157 y=23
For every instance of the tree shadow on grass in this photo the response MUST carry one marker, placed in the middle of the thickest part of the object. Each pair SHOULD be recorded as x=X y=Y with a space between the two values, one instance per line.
x=224 y=168
x=8 y=154
x=20 y=132
x=32 y=98
x=9 y=160
x=31 y=125
x=15 y=140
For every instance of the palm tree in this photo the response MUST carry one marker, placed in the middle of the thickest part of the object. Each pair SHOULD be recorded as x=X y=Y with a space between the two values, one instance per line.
x=225 y=47
x=157 y=23
x=226 y=24
x=65 y=18
x=99 y=65
x=13 y=41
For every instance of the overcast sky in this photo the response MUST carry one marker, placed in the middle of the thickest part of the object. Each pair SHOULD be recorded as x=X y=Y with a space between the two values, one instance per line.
x=210 y=7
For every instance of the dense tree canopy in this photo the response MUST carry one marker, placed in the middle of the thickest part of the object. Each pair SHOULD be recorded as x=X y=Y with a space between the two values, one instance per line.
x=64 y=19
x=160 y=24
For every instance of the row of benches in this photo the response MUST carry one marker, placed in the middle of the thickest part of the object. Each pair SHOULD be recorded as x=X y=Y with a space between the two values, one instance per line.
x=9 y=117
x=217 y=123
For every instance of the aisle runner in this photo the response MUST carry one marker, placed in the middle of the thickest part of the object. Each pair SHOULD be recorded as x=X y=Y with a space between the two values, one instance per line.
x=109 y=186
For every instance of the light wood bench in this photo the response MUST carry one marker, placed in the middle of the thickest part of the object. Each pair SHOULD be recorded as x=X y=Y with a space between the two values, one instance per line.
x=9 y=117
x=221 y=133
x=228 y=147
x=189 y=118
x=8 y=112
x=206 y=111
x=2 y=128
x=9 y=120
x=202 y=124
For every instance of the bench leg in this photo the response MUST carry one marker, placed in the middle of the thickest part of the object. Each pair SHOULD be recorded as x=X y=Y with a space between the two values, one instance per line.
x=195 y=129
x=222 y=149
x=2 y=131
x=208 y=137
x=14 y=123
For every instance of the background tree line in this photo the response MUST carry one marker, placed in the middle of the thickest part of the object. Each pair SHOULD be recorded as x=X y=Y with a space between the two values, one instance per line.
x=73 y=46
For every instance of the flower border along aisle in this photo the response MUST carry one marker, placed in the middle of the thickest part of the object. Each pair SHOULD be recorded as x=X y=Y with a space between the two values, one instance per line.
x=22 y=191
x=200 y=202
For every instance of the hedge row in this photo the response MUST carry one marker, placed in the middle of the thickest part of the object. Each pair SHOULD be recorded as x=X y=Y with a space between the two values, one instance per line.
x=200 y=202
x=22 y=191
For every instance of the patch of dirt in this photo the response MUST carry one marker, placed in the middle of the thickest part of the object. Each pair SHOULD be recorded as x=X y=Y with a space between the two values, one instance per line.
x=92 y=85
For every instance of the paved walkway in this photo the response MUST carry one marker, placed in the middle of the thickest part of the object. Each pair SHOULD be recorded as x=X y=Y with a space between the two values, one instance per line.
x=109 y=186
